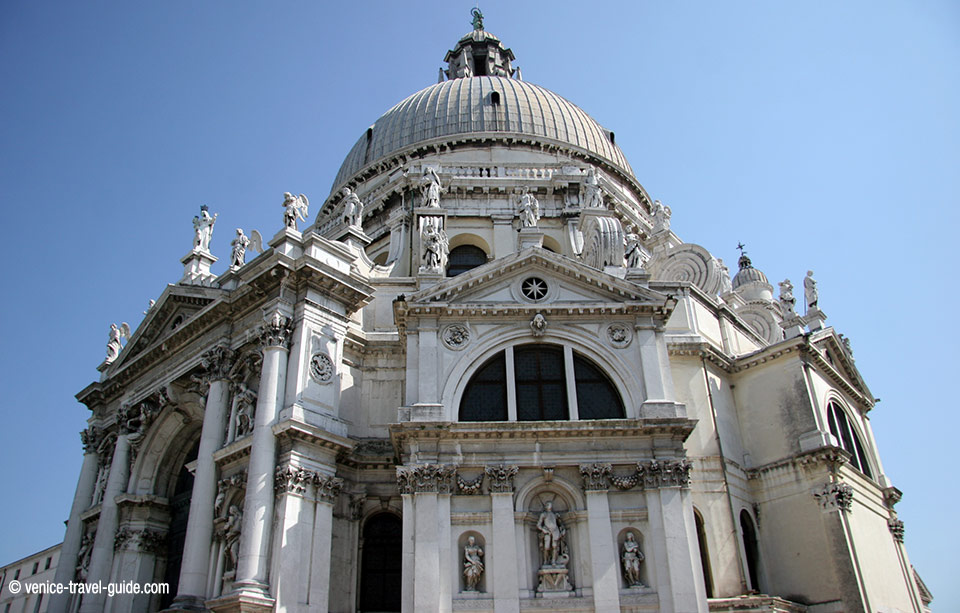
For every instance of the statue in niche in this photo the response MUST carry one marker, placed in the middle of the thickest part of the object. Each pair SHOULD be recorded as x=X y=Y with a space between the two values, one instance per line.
x=631 y=557
x=352 y=208
x=593 y=196
x=116 y=334
x=472 y=564
x=810 y=293
x=83 y=557
x=294 y=208
x=246 y=400
x=661 y=216
x=529 y=210
x=430 y=188
x=552 y=541
x=435 y=247
x=231 y=537
x=203 y=229
x=632 y=252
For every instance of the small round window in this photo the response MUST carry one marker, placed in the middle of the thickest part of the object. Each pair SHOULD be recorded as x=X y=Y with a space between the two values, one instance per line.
x=534 y=289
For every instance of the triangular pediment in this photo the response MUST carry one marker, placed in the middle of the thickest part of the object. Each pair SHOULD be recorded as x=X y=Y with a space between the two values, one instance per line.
x=834 y=353
x=567 y=282
x=176 y=306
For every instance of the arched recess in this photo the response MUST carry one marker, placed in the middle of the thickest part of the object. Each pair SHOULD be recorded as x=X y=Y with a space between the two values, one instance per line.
x=704 y=552
x=751 y=549
x=381 y=563
x=477 y=553
x=552 y=244
x=467 y=253
x=540 y=376
x=177 y=530
x=624 y=375
x=567 y=500
x=848 y=436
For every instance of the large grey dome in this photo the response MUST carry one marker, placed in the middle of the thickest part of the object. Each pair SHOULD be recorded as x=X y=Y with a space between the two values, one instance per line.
x=464 y=106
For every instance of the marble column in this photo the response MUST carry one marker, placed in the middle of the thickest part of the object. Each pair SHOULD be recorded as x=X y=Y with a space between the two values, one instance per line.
x=258 y=505
x=67 y=564
x=327 y=490
x=506 y=578
x=191 y=591
x=604 y=561
x=101 y=560
x=422 y=536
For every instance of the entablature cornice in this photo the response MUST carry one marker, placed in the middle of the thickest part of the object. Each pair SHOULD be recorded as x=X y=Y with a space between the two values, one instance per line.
x=831 y=458
x=702 y=350
x=293 y=430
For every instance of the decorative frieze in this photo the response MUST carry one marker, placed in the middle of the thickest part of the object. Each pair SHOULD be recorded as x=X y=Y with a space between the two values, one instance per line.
x=653 y=474
x=327 y=488
x=291 y=480
x=276 y=332
x=140 y=540
x=469 y=488
x=501 y=478
x=896 y=529
x=835 y=495
x=422 y=478
x=595 y=476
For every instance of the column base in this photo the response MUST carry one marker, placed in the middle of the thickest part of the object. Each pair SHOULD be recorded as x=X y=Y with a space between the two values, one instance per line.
x=253 y=598
x=186 y=603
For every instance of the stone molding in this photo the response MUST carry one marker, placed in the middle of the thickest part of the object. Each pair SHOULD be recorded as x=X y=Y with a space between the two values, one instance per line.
x=835 y=495
x=426 y=478
x=501 y=478
x=654 y=474
x=140 y=540
x=277 y=332
x=595 y=476
x=896 y=529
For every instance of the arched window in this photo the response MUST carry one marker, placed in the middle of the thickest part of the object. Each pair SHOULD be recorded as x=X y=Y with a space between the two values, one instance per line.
x=704 y=554
x=538 y=375
x=751 y=549
x=843 y=431
x=464 y=258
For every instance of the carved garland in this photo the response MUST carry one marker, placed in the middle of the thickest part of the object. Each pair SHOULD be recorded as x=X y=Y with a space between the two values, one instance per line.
x=652 y=474
x=469 y=488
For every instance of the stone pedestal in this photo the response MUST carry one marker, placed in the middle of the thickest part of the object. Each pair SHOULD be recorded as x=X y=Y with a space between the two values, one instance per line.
x=792 y=326
x=196 y=268
x=530 y=237
x=354 y=237
x=814 y=319
x=553 y=581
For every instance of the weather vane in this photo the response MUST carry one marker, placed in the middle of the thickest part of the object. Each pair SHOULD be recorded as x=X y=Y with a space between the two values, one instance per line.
x=477 y=17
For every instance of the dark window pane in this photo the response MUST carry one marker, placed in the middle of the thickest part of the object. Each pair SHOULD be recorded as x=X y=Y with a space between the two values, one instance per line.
x=596 y=396
x=485 y=398
x=464 y=258
x=540 y=381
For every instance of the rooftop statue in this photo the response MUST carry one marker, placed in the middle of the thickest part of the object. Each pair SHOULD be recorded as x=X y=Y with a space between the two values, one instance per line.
x=633 y=252
x=593 y=194
x=661 y=216
x=240 y=244
x=810 y=293
x=529 y=210
x=430 y=187
x=477 y=21
x=113 y=340
x=787 y=301
x=203 y=229
x=352 y=208
x=294 y=208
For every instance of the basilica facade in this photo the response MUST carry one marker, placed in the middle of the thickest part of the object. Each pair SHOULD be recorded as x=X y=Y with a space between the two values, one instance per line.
x=483 y=374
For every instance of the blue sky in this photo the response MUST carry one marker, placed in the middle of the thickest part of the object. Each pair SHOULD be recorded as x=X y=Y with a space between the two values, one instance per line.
x=825 y=136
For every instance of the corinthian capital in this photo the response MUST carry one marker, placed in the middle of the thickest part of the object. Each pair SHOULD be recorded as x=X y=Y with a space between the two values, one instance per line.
x=217 y=362
x=91 y=438
x=276 y=332
x=501 y=478
x=327 y=488
x=421 y=478
x=595 y=476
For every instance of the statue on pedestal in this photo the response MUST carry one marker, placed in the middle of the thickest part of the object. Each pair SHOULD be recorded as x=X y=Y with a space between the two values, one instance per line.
x=810 y=293
x=203 y=229
x=631 y=559
x=246 y=400
x=593 y=195
x=352 y=208
x=529 y=210
x=553 y=573
x=430 y=188
x=661 y=217
x=787 y=301
x=117 y=333
x=435 y=246
x=472 y=564
x=632 y=252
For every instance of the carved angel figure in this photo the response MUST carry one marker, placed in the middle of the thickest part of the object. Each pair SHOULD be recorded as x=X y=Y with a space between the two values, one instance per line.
x=661 y=216
x=294 y=208
x=593 y=195
x=787 y=301
x=529 y=210
x=430 y=188
x=352 y=208
x=113 y=340
x=203 y=229
x=240 y=244
x=472 y=564
x=631 y=558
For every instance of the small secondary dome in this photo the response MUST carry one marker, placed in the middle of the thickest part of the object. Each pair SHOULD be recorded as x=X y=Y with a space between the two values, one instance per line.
x=481 y=98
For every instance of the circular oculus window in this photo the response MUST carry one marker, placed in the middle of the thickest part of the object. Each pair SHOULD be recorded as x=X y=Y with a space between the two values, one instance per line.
x=534 y=289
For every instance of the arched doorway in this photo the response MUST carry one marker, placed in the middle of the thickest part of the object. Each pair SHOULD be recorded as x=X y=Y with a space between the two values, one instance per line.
x=179 y=512
x=751 y=548
x=381 y=564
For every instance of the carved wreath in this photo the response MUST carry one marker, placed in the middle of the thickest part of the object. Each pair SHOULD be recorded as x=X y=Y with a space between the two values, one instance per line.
x=321 y=368
x=456 y=336
x=619 y=335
